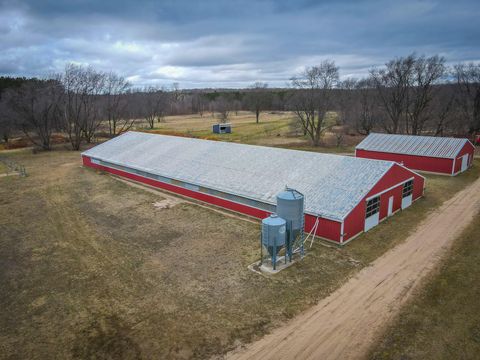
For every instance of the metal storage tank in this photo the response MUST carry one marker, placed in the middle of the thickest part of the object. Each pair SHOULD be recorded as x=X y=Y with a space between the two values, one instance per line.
x=273 y=236
x=290 y=206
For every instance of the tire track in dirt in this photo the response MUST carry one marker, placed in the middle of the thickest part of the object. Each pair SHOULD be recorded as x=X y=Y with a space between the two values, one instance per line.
x=344 y=325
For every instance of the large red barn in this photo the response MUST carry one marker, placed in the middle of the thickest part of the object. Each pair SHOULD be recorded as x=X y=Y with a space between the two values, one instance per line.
x=344 y=196
x=440 y=155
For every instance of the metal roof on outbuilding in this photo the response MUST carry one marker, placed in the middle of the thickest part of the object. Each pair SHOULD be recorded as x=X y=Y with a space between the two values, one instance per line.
x=333 y=185
x=440 y=147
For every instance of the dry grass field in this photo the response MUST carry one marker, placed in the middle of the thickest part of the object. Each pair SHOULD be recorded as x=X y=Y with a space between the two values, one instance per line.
x=91 y=268
x=273 y=129
x=443 y=319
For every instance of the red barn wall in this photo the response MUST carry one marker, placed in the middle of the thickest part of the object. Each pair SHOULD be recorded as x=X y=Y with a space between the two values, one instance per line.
x=394 y=179
x=423 y=163
x=327 y=229
x=467 y=149
x=248 y=210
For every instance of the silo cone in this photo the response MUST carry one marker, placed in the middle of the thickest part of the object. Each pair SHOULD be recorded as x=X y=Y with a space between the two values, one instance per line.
x=273 y=236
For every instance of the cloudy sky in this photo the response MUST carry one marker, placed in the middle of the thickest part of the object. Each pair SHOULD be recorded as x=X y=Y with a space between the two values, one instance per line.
x=229 y=43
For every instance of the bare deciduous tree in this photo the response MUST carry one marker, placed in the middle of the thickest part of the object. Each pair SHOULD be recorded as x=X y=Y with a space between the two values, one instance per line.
x=83 y=87
x=392 y=84
x=467 y=77
x=199 y=104
x=73 y=104
x=38 y=105
x=8 y=117
x=444 y=110
x=116 y=104
x=406 y=88
x=93 y=83
x=312 y=98
x=258 y=99
x=346 y=101
x=222 y=107
x=367 y=113
x=425 y=75
x=154 y=105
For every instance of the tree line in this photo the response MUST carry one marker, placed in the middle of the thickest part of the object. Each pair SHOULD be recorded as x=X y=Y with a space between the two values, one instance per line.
x=411 y=94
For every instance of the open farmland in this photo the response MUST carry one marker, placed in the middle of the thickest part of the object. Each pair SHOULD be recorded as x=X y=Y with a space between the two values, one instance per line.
x=273 y=129
x=91 y=267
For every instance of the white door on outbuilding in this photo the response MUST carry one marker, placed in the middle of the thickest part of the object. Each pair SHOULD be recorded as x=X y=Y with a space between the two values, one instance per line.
x=464 y=163
x=390 y=205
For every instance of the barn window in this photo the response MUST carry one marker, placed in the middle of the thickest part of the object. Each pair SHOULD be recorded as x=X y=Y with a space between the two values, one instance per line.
x=373 y=206
x=407 y=189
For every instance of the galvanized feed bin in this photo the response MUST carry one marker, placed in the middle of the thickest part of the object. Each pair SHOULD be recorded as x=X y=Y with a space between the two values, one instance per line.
x=290 y=206
x=273 y=236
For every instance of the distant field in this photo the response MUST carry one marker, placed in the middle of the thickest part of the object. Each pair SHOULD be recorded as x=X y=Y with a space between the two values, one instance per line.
x=273 y=129
x=92 y=267
x=443 y=319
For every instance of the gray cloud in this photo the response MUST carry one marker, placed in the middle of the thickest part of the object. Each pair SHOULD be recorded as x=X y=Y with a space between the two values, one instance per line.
x=229 y=43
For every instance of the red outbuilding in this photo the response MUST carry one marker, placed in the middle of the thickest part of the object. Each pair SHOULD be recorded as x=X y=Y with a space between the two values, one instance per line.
x=439 y=155
x=344 y=196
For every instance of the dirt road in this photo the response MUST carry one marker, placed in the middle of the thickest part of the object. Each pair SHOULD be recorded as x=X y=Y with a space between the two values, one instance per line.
x=343 y=325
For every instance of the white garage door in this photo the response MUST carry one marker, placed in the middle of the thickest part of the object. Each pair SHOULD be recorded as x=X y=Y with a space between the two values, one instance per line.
x=407 y=194
x=372 y=215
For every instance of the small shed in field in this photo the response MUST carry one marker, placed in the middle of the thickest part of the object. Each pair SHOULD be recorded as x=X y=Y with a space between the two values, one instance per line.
x=222 y=128
x=441 y=155
x=344 y=196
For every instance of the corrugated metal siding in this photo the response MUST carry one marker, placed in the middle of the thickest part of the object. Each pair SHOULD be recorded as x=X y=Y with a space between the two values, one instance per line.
x=414 y=162
x=440 y=147
x=397 y=201
x=458 y=162
x=333 y=184
x=326 y=229
x=355 y=221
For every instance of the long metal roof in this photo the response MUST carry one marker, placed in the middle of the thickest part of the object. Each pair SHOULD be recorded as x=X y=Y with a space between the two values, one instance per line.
x=441 y=147
x=333 y=185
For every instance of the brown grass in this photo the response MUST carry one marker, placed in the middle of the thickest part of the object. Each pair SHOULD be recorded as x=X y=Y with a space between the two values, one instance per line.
x=91 y=269
x=442 y=321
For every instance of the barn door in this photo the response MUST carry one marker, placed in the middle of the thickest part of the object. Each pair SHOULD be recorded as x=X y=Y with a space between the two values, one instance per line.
x=464 y=163
x=390 y=205
x=407 y=194
x=372 y=215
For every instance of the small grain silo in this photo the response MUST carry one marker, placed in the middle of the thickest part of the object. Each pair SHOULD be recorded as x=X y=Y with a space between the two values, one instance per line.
x=273 y=238
x=291 y=207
